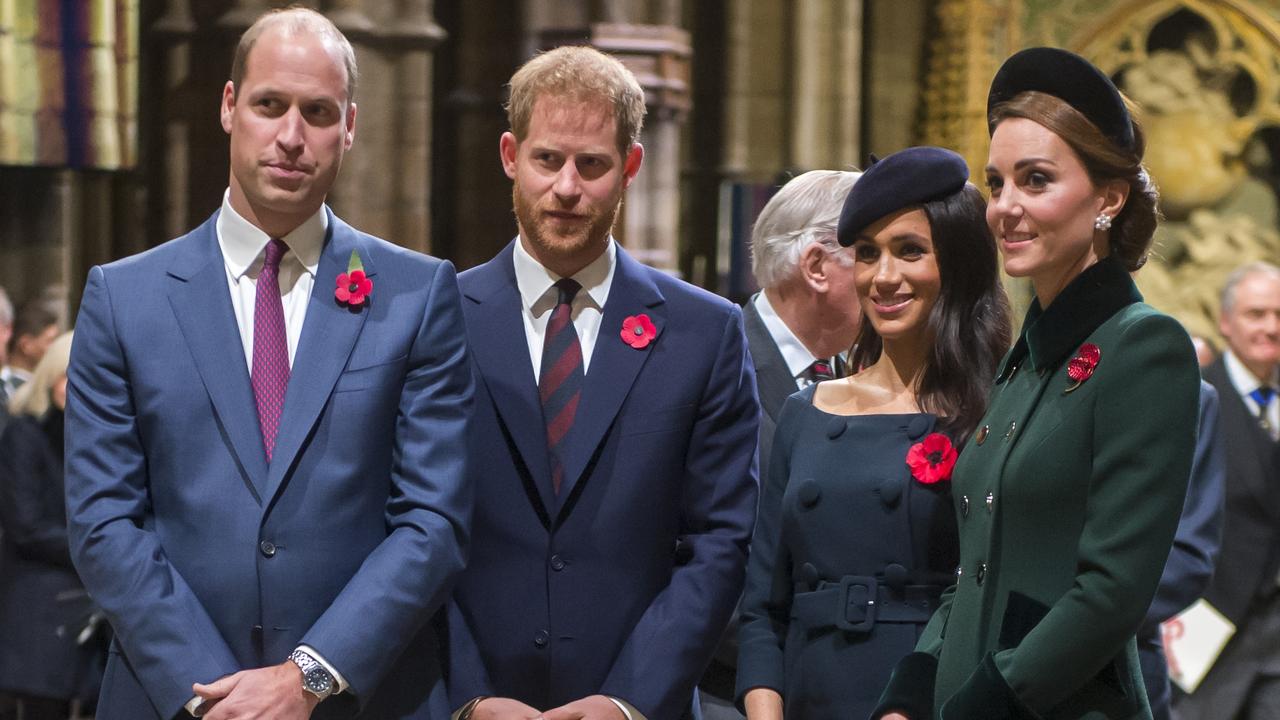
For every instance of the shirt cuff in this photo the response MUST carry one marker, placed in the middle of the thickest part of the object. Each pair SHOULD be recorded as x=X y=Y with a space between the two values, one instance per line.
x=338 y=680
x=627 y=710
x=193 y=706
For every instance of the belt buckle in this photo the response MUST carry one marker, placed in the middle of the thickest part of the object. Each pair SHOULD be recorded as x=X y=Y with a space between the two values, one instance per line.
x=867 y=606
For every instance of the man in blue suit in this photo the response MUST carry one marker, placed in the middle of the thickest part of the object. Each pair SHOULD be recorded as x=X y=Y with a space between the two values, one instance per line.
x=617 y=414
x=266 y=489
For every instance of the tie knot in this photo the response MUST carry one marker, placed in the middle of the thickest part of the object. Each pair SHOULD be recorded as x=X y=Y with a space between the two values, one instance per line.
x=568 y=289
x=275 y=250
x=821 y=370
x=1263 y=396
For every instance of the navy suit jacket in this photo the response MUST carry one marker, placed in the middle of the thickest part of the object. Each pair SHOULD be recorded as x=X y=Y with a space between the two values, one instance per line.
x=622 y=583
x=208 y=559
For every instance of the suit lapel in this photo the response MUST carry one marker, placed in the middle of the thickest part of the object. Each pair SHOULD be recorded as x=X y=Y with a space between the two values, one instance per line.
x=773 y=377
x=614 y=364
x=328 y=336
x=202 y=304
x=501 y=350
x=1239 y=421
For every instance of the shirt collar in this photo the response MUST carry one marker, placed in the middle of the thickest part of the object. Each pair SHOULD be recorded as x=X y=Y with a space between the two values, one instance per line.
x=242 y=242
x=1049 y=335
x=794 y=353
x=1242 y=378
x=535 y=281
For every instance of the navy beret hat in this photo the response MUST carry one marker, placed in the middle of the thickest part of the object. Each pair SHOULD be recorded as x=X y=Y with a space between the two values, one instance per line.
x=1069 y=78
x=908 y=177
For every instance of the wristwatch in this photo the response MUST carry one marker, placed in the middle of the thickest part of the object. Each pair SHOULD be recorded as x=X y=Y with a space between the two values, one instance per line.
x=315 y=679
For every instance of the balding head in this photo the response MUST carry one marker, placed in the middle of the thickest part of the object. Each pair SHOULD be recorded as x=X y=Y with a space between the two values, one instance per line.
x=291 y=21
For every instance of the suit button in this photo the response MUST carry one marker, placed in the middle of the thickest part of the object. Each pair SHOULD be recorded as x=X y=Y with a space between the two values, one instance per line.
x=557 y=563
x=896 y=576
x=982 y=434
x=991 y=501
x=268 y=548
x=918 y=426
x=981 y=574
x=810 y=493
x=540 y=638
x=964 y=506
x=836 y=427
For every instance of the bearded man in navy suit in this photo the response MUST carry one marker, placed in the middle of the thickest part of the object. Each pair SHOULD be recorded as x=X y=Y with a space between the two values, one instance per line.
x=266 y=486
x=617 y=419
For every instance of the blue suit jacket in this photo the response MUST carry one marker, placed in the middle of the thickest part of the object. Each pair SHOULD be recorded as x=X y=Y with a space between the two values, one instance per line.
x=623 y=583
x=208 y=559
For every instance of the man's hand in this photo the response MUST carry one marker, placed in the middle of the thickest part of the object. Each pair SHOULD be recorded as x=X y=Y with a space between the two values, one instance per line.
x=592 y=707
x=270 y=693
x=499 y=708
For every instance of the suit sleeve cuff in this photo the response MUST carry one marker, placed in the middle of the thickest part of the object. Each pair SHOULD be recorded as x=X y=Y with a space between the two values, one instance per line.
x=910 y=688
x=629 y=712
x=339 y=681
x=986 y=695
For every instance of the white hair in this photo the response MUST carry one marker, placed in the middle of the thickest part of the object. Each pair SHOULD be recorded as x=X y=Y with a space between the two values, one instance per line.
x=1238 y=275
x=6 y=309
x=804 y=211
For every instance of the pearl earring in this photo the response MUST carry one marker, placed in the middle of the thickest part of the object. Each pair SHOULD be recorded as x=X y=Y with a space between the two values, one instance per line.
x=1103 y=222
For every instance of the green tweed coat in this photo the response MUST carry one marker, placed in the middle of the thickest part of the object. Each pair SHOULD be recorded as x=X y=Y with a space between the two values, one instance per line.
x=1067 y=498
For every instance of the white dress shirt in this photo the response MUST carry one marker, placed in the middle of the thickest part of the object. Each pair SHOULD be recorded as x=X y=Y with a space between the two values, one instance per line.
x=243 y=245
x=1245 y=382
x=538 y=298
x=794 y=353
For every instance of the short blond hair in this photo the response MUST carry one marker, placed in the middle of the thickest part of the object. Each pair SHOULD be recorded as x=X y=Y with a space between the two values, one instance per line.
x=35 y=395
x=578 y=74
x=296 y=20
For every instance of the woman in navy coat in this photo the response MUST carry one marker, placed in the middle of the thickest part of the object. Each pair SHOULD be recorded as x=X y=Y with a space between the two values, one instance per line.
x=45 y=663
x=856 y=538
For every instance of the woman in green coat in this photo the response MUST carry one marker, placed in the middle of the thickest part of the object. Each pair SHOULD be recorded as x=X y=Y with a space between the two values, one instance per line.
x=1068 y=494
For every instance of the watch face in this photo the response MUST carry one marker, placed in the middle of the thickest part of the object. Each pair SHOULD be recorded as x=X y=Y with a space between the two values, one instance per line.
x=318 y=681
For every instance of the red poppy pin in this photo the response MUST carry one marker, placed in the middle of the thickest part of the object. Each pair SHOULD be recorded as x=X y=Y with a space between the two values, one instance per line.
x=932 y=459
x=1081 y=367
x=353 y=287
x=638 y=331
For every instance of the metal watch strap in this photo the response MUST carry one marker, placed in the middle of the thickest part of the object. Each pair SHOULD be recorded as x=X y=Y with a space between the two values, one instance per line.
x=309 y=665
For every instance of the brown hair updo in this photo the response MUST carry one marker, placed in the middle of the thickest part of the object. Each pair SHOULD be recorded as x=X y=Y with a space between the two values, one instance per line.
x=1105 y=161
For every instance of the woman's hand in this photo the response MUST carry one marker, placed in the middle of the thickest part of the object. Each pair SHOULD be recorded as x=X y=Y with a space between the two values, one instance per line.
x=763 y=704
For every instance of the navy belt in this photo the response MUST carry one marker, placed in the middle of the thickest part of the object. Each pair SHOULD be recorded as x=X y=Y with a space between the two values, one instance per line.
x=857 y=602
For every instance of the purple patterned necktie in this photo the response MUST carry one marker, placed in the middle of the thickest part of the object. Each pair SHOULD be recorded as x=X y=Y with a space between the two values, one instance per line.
x=270 y=347
x=560 y=378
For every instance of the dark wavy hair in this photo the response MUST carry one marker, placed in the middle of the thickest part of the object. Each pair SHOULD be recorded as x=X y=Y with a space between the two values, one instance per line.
x=1133 y=229
x=969 y=327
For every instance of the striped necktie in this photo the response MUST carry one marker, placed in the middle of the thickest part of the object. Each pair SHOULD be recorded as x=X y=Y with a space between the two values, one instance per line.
x=561 y=375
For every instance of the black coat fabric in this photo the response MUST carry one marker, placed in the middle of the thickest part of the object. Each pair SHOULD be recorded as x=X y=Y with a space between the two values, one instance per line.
x=43 y=606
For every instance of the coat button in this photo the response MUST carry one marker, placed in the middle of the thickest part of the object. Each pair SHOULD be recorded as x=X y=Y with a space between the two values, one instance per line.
x=836 y=428
x=1013 y=427
x=895 y=575
x=918 y=426
x=540 y=638
x=809 y=493
x=268 y=548
x=809 y=574
x=557 y=563
x=890 y=492
x=981 y=574
x=982 y=434
x=964 y=506
x=991 y=501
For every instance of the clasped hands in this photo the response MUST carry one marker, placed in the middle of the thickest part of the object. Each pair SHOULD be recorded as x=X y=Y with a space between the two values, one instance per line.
x=269 y=693
x=592 y=707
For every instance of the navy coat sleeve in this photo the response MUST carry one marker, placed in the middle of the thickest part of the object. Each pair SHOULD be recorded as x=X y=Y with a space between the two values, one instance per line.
x=1195 y=546
x=36 y=530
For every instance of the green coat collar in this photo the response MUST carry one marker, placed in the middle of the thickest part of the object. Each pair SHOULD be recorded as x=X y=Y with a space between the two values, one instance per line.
x=1048 y=335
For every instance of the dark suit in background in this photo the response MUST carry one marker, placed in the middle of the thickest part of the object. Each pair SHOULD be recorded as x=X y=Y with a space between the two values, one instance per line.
x=1244 y=585
x=43 y=605
x=1195 y=549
